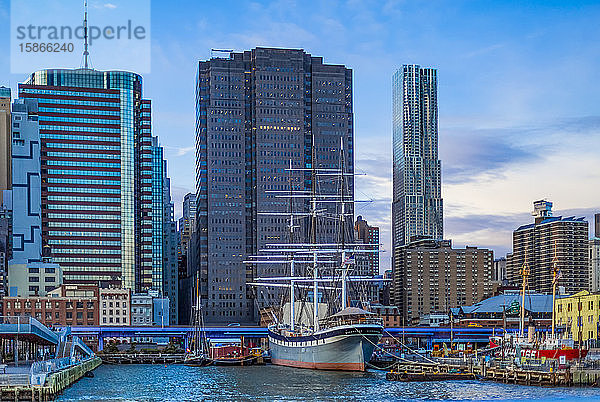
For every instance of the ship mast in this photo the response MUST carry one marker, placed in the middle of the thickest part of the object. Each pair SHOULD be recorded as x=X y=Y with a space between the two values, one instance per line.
x=525 y=274
x=313 y=228
x=554 y=283
x=342 y=223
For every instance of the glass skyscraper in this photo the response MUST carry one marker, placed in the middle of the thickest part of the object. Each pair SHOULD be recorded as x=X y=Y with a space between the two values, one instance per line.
x=257 y=112
x=98 y=176
x=417 y=208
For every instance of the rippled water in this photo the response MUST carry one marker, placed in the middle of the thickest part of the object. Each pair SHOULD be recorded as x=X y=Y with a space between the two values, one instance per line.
x=181 y=383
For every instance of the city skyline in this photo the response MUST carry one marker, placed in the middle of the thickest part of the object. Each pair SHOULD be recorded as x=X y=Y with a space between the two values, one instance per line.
x=510 y=93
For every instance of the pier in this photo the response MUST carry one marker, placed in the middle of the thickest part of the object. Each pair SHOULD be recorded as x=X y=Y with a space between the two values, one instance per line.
x=38 y=363
x=533 y=374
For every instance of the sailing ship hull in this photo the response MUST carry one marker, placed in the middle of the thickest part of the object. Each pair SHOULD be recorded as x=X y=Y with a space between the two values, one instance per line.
x=347 y=348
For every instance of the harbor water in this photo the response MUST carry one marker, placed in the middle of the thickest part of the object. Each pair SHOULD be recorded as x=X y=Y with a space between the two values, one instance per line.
x=181 y=383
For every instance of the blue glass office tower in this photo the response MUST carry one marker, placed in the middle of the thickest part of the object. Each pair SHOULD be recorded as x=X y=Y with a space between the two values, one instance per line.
x=417 y=208
x=96 y=175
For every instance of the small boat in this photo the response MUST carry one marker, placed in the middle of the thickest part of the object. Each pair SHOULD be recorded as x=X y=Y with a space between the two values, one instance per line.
x=231 y=352
x=411 y=377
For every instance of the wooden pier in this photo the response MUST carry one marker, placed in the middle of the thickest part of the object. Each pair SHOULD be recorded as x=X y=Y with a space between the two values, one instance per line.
x=142 y=358
x=54 y=385
x=569 y=377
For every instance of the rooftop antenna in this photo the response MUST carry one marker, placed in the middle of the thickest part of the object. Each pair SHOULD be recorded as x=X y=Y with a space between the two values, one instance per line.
x=85 y=37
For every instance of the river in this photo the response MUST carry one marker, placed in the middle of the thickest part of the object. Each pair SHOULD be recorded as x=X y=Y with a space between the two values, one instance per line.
x=181 y=383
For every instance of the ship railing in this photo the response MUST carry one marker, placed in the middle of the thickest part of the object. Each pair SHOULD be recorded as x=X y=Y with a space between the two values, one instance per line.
x=352 y=321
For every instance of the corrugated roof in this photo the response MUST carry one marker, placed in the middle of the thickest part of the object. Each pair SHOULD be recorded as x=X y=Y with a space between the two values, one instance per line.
x=534 y=302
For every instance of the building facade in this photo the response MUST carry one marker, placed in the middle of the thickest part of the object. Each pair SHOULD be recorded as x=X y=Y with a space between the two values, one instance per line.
x=417 y=207
x=499 y=269
x=5 y=142
x=431 y=277
x=594 y=257
x=547 y=243
x=66 y=306
x=258 y=113
x=115 y=308
x=141 y=310
x=96 y=175
x=364 y=233
x=578 y=316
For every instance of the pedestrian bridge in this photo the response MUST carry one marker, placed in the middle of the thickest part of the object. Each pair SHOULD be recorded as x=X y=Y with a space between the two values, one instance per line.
x=27 y=329
x=429 y=335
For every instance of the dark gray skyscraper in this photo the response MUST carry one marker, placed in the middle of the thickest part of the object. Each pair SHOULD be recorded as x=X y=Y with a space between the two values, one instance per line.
x=417 y=208
x=257 y=112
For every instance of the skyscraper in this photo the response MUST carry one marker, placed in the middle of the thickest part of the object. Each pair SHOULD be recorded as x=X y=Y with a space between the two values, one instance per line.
x=549 y=240
x=96 y=175
x=258 y=112
x=5 y=142
x=417 y=208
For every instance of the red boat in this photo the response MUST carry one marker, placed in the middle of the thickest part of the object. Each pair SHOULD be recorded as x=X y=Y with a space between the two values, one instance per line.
x=551 y=349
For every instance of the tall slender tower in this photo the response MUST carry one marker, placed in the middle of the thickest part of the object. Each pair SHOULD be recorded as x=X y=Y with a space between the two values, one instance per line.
x=417 y=208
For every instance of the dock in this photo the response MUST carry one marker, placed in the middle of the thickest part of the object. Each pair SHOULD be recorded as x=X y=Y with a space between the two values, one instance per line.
x=38 y=363
x=544 y=376
x=142 y=358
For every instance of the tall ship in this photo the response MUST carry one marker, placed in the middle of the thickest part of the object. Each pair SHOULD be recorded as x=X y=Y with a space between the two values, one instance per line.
x=317 y=327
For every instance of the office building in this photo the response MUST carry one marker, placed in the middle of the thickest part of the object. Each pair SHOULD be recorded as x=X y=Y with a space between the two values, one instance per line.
x=31 y=271
x=594 y=257
x=431 y=277
x=547 y=243
x=417 y=208
x=258 y=112
x=187 y=223
x=364 y=233
x=96 y=175
x=5 y=142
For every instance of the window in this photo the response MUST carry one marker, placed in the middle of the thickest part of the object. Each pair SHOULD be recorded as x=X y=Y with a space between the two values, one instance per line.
x=117 y=320
x=34 y=270
x=34 y=279
x=90 y=314
x=79 y=304
x=69 y=314
x=49 y=270
x=49 y=279
x=79 y=315
x=104 y=320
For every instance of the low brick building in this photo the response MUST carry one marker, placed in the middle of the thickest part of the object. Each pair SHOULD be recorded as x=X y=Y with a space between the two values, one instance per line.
x=65 y=306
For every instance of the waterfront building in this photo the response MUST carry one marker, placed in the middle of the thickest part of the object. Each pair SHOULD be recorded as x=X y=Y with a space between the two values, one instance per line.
x=96 y=175
x=65 y=306
x=258 y=112
x=594 y=257
x=115 y=308
x=505 y=309
x=430 y=277
x=578 y=315
x=538 y=244
x=389 y=314
x=417 y=208
x=141 y=310
x=5 y=142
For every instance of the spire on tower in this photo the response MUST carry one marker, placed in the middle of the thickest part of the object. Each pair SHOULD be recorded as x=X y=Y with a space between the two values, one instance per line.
x=85 y=36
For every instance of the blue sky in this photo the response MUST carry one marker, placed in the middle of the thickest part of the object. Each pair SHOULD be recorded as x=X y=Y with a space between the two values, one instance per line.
x=519 y=99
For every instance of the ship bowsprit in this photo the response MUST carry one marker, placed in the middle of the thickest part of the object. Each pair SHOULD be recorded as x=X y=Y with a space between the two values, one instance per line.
x=347 y=347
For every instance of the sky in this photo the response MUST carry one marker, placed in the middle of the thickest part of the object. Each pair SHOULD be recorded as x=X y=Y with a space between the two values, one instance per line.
x=518 y=95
